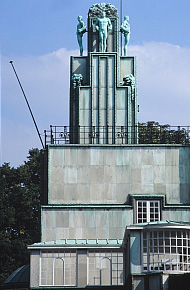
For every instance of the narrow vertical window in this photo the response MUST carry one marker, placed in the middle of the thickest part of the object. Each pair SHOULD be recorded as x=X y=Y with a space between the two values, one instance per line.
x=58 y=271
x=105 y=272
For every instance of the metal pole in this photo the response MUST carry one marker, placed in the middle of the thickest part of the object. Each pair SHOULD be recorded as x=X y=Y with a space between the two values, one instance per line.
x=121 y=22
x=11 y=62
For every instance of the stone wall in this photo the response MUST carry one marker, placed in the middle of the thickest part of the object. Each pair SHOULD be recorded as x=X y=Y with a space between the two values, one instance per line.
x=106 y=174
x=84 y=223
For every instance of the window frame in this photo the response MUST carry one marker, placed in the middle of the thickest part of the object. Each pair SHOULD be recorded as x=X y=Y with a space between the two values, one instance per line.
x=148 y=211
x=48 y=258
x=166 y=250
x=52 y=262
x=105 y=254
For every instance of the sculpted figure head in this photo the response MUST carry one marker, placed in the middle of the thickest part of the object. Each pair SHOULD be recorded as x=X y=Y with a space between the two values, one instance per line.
x=103 y=14
x=79 y=18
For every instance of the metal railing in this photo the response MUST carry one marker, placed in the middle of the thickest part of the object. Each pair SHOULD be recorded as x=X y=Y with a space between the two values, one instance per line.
x=141 y=134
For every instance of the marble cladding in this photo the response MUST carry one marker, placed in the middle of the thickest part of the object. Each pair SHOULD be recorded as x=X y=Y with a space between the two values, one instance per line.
x=109 y=174
x=83 y=223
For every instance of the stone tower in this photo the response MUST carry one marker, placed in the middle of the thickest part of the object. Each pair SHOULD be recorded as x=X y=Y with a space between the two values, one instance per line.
x=111 y=209
x=103 y=91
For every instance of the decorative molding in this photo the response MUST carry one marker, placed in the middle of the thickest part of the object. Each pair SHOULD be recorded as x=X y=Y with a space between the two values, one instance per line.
x=129 y=80
x=97 y=9
x=76 y=80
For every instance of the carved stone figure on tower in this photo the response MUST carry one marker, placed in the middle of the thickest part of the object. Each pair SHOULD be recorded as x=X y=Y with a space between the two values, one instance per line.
x=125 y=29
x=81 y=29
x=103 y=25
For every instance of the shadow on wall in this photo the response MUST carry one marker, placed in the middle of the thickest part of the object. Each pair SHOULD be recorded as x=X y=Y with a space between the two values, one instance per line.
x=135 y=251
x=179 y=282
x=184 y=174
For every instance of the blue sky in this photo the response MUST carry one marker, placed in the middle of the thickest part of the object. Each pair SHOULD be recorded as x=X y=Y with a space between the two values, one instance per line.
x=40 y=35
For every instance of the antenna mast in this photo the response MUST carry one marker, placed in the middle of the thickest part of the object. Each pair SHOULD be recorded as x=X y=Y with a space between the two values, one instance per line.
x=11 y=62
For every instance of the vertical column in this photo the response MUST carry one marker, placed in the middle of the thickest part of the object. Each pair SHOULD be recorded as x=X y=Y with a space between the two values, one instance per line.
x=82 y=268
x=95 y=99
x=103 y=80
x=129 y=115
x=102 y=99
x=111 y=99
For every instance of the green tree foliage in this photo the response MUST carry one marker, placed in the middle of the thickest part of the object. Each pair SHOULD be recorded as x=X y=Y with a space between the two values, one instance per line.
x=153 y=133
x=19 y=212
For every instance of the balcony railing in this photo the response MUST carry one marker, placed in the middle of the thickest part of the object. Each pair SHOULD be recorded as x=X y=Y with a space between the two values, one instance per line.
x=141 y=134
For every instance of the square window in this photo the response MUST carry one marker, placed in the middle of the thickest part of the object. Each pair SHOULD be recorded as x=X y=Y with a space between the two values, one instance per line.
x=148 y=211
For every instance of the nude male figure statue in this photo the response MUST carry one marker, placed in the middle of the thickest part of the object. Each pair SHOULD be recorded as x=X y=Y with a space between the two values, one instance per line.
x=81 y=29
x=125 y=29
x=103 y=25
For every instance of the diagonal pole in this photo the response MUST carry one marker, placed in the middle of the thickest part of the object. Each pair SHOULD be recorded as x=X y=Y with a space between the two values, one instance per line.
x=121 y=22
x=11 y=62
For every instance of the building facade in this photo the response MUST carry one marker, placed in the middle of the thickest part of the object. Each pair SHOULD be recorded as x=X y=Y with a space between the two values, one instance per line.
x=115 y=213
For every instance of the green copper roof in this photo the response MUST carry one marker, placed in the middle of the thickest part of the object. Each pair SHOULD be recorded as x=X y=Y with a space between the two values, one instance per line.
x=164 y=222
x=159 y=225
x=80 y=242
x=21 y=275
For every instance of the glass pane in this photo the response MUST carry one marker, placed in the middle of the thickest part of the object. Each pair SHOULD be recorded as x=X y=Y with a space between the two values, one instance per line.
x=167 y=250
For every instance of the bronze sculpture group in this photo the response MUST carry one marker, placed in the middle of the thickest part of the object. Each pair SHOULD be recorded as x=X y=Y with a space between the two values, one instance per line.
x=103 y=25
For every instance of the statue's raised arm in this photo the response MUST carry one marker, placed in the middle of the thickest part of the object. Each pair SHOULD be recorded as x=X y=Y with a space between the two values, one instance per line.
x=125 y=29
x=103 y=25
x=81 y=29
